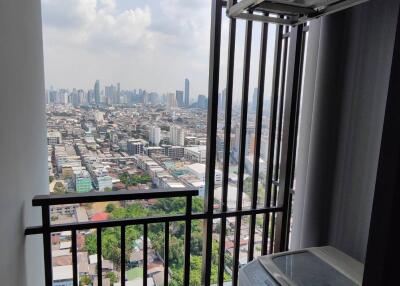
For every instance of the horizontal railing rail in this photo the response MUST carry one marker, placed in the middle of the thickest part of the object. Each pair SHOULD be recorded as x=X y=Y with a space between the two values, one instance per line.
x=92 y=197
x=148 y=220
x=45 y=201
x=46 y=229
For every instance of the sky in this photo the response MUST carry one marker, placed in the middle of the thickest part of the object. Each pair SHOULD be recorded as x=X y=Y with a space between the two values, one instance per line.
x=148 y=44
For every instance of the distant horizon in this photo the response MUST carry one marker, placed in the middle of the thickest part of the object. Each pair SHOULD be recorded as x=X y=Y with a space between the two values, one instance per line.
x=138 y=43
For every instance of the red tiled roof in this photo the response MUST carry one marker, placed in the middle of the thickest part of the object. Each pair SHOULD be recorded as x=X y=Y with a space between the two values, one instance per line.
x=99 y=216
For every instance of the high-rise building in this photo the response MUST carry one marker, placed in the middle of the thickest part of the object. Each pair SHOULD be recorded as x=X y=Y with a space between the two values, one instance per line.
x=82 y=97
x=117 y=98
x=135 y=146
x=254 y=102
x=97 y=98
x=177 y=135
x=179 y=98
x=110 y=92
x=186 y=92
x=90 y=96
x=222 y=100
x=155 y=135
x=250 y=136
x=174 y=152
x=171 y=101
x=202 y=101
x=153 y=98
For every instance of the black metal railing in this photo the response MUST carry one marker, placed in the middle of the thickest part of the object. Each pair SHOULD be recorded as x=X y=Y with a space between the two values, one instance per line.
x=282 y=137
x=46 y=229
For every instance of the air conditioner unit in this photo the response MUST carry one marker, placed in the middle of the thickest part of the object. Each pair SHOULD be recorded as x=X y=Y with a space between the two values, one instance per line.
x=287 y=12
x=309 y=267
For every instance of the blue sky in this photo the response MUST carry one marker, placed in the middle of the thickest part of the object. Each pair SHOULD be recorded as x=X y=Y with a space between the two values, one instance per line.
x=149 y=44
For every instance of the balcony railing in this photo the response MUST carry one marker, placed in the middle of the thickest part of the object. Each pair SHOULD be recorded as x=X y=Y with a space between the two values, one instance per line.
x=46 y=229
x=287 y=60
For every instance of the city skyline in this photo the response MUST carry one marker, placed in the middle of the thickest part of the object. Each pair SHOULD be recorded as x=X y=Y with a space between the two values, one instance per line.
x=140 y=44
x=154 y=46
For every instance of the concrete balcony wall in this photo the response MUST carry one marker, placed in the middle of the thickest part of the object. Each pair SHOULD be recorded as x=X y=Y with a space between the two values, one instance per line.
x=23 y=152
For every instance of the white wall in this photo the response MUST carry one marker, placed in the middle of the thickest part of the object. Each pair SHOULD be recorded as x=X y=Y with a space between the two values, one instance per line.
x=23 y=153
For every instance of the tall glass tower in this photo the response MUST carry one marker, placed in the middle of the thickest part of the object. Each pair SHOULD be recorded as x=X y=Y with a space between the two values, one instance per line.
x=97 y=92
x=186 y=92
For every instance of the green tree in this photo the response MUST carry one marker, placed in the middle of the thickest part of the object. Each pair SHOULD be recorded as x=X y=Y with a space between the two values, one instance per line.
x=110 y=207
x=135 y=179
x=85 y=280
x=91 y=243
x=112 y=276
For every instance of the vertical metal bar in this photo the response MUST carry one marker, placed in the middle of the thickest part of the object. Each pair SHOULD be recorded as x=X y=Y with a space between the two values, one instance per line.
x=188 y=227
x=166 y=253
x=123 y=258
x=227 y=141
x=296 y=128
x=279 y=135
x=242 y=147
x=48 y=271
x=293 y=84
x=282 y=97
x=99 y=258
x=271 y=136
x=221 y=258
x=272 y=217
x=212 y=118
x=74 y=258
x=145 y=249
x=295 y=136
x=257 y=143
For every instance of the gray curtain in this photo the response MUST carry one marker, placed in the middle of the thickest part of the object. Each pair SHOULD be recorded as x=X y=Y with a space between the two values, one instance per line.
x=348 y=61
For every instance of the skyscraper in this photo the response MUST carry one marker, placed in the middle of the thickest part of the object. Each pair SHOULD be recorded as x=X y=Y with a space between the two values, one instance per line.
x=97 y=92
x=155 y=135
x=177 y=135
x=254 y=102
x=117 y=98
x=110 y=92
x=171 y=101
x=179 y=98
x=222 y=100
x=186 y=92
x=202 y=101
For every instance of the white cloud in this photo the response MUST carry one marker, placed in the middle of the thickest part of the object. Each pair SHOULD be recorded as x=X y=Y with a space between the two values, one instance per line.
x=150 y=44
x=107 y=5
x=68 y=14
x=127 y=29
x=95 y=24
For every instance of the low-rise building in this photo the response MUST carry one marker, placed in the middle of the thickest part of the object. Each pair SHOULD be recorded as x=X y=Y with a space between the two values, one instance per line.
x=199 y=170
x=135 y=146
x=83 y=183
x=62 y=276
x=196 y=153
x=54 y=138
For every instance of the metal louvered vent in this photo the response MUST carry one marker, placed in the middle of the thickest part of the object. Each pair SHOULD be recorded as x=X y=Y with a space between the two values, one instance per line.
x=287 y=12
